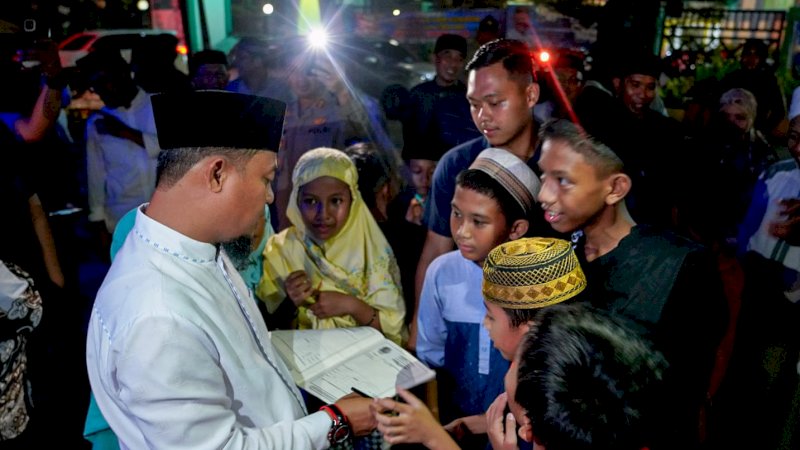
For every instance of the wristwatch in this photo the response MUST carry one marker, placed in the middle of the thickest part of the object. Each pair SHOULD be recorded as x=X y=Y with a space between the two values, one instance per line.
x=340 y=428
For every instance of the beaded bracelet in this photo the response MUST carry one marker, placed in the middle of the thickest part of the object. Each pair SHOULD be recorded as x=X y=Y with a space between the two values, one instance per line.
x=374 y=315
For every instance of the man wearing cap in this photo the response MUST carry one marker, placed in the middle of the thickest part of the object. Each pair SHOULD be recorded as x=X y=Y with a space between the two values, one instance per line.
x=177 y=352
x=439 y=117
x=488 y=30
x=121 y=143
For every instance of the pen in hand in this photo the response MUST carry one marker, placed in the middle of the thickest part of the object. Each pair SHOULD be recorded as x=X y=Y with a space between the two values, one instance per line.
x=360 y=392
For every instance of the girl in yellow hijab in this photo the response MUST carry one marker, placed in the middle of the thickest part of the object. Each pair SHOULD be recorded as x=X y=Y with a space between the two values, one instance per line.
x=333 y=263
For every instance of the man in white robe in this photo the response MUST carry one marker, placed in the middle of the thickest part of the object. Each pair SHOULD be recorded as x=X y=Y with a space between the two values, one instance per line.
x=178 y=354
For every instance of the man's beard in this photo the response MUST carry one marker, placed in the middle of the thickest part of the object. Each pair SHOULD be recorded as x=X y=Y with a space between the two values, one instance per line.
x=238 y=250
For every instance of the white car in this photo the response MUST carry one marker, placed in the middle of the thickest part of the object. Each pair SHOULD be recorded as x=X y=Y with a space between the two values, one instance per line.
x=80 y=44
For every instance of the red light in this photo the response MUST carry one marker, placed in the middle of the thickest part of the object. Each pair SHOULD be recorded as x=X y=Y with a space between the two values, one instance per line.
x=544 y=56
x=182 y=49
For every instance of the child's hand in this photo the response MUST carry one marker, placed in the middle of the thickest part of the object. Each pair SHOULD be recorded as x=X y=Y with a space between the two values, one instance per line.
x=332 y=304
x=789 y=228
x=414 y=212
x=473 y=424
x=501 y=428
x=298 y=287
x=413 y=422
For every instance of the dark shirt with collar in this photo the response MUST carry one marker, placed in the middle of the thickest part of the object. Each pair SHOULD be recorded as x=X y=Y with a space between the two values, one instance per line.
x=443 y=187
x=671 y=288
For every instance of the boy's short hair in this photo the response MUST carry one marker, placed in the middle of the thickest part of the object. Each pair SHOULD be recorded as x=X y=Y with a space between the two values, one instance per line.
x=482 y=183
x=597 y=154
x=587 y=380
x=515 y=56
x=642 y=62
x=527 y=274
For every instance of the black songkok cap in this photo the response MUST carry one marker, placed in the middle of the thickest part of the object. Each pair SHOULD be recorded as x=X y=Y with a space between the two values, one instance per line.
x=451 y=42
x=218 y=119
x=643 y=63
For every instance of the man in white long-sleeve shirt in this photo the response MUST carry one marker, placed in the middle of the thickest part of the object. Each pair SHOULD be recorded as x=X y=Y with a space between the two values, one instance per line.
x=121 y=143
x=178 y=354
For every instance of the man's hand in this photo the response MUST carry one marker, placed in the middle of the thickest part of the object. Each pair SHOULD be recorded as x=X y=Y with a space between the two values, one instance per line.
x=298 y=287
x=359 y=413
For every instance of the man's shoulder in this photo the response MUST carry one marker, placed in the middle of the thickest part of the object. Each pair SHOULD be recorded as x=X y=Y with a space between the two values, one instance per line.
x=464 y=153
x=426 y=87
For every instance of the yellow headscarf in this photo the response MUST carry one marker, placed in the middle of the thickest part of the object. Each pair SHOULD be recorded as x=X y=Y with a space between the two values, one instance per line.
x=357 y=261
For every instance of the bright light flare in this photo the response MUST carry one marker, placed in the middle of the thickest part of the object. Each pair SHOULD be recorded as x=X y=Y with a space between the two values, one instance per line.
x=182 y=49
x=544 y=56
x=318 y=38
x=268 y=8
x=142 y=5
x=396 y=12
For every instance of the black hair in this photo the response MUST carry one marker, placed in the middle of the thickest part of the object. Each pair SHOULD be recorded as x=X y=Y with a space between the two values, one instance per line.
x=515 y=56
x=587 y=380
x=483 y=183
x=642 y=62
x=206 y=57
x=597 y=154
x=173 y=163
x=373 y=173
x=759 y=47
x=519 y=317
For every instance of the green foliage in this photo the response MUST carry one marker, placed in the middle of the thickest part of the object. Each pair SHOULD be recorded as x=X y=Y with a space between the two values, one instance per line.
x=717 y=64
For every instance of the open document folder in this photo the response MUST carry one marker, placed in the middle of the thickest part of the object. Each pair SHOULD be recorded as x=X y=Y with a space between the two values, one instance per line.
x=329 y=363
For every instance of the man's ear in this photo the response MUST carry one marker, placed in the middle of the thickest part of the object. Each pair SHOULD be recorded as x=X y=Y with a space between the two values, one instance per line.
x=215 y=173
x=619 y=186
x=518 y=229
x=525 y=432
x=532 y=94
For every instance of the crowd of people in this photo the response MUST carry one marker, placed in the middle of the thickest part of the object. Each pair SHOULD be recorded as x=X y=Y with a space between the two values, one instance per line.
x=581 y=270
